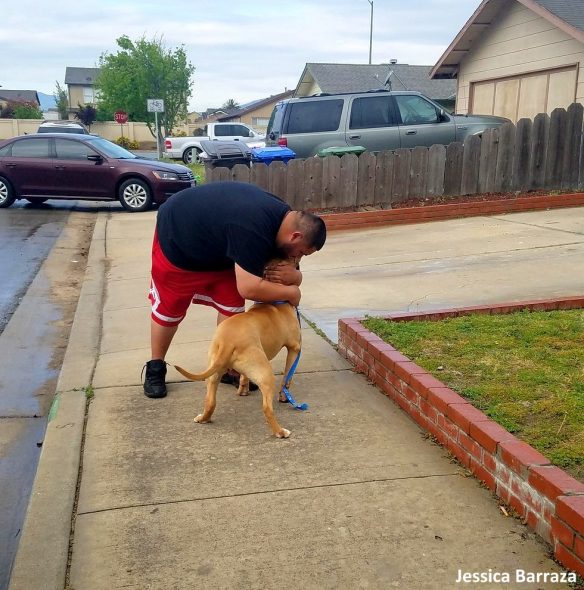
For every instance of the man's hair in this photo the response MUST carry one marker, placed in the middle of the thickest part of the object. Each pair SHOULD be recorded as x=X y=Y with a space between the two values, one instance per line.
x=313 y=229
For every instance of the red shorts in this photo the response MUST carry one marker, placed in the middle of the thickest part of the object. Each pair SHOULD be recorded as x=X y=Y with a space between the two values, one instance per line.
x=172 y=290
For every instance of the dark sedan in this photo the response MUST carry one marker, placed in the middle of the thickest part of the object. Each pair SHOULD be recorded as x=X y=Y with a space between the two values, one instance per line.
x=72 y=166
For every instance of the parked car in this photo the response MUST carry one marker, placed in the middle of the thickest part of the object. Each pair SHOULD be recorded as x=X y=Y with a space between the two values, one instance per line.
x=62 y=127
x=189 y=150
x=377 y=120
x=68 y=166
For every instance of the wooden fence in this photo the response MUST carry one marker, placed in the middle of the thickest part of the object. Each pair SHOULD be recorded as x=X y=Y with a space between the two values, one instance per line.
x=544 y=153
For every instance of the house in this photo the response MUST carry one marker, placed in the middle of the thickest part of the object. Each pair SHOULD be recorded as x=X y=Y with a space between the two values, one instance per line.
x=7 y=96
x=326 y=78
x=517 y=58
x=257 y=113
x=80 y=84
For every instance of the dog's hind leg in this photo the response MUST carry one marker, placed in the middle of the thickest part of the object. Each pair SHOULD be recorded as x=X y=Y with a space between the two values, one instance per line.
x=293 y=352
x=257 y=368
x=210 y=399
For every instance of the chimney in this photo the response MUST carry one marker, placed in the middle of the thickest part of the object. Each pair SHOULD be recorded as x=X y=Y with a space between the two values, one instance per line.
x=393 y=61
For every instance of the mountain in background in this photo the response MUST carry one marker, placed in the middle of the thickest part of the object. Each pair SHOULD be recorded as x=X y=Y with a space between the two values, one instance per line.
x=47 y=101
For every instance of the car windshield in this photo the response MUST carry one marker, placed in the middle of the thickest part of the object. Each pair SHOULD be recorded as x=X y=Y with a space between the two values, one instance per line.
x=112 y=150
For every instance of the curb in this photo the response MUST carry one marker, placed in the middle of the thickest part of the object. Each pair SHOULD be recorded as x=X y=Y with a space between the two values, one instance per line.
x=384 y=217
x=545 y=497
x=43 y=551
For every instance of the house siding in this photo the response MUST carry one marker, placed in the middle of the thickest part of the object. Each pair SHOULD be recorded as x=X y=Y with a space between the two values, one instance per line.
x=519 y=42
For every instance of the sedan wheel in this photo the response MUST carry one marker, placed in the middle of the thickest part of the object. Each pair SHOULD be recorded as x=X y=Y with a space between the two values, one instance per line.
x=135 y=195
x=191 y=156
x=7 y=196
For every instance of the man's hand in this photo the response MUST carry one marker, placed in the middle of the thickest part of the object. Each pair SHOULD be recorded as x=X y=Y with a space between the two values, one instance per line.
x=283 y=273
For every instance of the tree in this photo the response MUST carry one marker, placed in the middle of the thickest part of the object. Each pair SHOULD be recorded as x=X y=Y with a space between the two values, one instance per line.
x=142 y=70
x=62 y=101
x=230 y=104
x=16 y=109
x=87 y=115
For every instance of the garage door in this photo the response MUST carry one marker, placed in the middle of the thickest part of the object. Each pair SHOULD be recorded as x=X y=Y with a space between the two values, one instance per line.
x=525 y=96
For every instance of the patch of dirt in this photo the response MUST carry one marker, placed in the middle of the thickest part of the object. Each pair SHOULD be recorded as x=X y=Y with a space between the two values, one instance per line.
x=428 y=201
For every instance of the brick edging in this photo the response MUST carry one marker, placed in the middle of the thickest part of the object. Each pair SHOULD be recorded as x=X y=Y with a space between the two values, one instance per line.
x=550 y=501
x=371 y=219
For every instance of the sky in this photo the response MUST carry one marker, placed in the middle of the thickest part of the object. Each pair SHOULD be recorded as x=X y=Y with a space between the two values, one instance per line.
x=241 y=50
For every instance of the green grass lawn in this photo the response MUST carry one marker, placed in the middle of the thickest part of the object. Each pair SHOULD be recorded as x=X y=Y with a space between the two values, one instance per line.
x=525 y=370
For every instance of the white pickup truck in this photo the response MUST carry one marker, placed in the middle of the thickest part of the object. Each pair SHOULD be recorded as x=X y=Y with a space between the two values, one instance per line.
x=188 y=149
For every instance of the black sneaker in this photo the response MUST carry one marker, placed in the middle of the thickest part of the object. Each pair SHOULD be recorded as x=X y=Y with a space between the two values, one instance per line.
x=232 y=378
x=154 y=385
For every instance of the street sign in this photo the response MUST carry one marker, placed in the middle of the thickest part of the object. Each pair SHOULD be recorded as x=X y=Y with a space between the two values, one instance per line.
x=121 y=117
x=155 y=105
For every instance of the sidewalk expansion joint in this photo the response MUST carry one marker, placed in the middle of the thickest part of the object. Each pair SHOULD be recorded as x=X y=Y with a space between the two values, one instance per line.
x=274 y=491
x=555 y=229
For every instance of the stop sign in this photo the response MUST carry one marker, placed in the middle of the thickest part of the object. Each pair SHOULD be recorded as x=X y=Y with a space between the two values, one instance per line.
x=121 y=117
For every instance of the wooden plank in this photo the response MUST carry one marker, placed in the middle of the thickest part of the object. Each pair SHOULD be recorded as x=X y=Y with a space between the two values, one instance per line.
x=366 y=179
x=471 y=158
x=453 y=169
x=571 y=162
x=241 y=173
x=539 y=145
x=419 y=172
x=349 y=172
x=505 y=155
x=312 y=183
x=222 y=173
x=259 y=175
x=277 y=175
x=555 y=150
x=295 y=183
x=383 y=178
x=331 y=179
x=436 y=166
x=488 y=160
x=401 y=175
x=521 y=179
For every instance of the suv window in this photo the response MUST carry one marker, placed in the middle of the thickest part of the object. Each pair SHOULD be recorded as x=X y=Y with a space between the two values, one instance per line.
x=371 y=111
x=275 y=123
x=72 y=150
x=240 y=131
x=414 y=110
x=314 y=116
x=31 y=148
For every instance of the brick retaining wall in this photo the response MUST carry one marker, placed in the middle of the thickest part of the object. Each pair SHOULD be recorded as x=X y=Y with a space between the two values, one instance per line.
x=383 y=217
x=545 y=497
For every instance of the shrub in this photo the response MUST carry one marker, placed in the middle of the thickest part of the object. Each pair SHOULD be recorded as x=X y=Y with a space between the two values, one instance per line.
x=179 y=134
x=127 y=143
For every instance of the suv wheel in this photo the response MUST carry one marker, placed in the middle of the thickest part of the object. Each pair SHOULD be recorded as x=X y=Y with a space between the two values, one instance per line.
x=7 y=196
x=135 y=195
x=191 y=156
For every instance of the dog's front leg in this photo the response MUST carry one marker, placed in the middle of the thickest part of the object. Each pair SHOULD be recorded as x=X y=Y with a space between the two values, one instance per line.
x=243 y=385
x=210 y=399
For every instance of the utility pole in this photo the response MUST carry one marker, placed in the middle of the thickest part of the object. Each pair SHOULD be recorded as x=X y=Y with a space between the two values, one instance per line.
x=370 y=31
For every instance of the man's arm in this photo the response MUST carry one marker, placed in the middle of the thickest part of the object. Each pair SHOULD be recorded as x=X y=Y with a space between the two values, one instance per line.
x=283 y=272
x=259 y=289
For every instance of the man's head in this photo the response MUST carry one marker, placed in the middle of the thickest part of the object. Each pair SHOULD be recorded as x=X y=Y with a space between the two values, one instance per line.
x=301 y=234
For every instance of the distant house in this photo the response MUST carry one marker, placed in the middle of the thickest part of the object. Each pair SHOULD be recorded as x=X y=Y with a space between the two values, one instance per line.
x=517 y=58
x=80 y=84
x=257 y=113
x=7 y=96
x=327 y=78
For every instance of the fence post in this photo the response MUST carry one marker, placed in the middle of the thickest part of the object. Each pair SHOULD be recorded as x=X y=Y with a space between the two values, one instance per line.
x=331 y=178
x=453 y=169
x=401 y=175
x=488 y=160
x=521 y=179
x=555 y=150
x=571 y=164
x=503 y=175
x=349 y=172
x=383 y=178
x=539 y=146
x=471 y=158
x=436 y=166
x=366 y=179
x=419 y=172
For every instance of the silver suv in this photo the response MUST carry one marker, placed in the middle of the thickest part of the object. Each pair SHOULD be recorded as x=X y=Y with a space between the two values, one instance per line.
x=376 y=120
x=62 y=127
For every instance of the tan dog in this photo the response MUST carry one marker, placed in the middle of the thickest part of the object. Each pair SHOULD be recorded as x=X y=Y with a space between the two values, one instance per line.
x=247 y=342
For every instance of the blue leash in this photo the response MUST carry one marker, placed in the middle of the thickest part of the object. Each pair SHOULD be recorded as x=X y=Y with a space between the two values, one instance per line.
x=285 y=389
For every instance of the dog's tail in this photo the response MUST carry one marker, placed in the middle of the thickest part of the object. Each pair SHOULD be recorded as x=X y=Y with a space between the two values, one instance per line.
x=197 y=376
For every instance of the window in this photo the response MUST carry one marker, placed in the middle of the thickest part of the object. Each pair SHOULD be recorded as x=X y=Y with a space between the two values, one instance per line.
x=260 y=121
x=371 y=112
x=31 y=148
x=72 y=150
x=315 y=116
x=224 y=130
x=5 y=151
x=240 y=131
x=89 y=95
x=415 y=110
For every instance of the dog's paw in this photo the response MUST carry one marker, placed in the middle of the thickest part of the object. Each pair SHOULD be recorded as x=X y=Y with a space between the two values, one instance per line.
x=283 y=433
x=200 y=419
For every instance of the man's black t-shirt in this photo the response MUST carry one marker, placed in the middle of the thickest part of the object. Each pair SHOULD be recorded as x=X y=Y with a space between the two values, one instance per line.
x=213 y=226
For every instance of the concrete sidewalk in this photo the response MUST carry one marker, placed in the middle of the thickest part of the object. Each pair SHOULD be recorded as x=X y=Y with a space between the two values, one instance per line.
x=356 y=498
